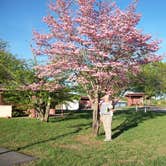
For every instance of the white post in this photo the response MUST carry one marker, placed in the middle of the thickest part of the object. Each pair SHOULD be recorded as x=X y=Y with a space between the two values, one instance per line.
x=145 y=109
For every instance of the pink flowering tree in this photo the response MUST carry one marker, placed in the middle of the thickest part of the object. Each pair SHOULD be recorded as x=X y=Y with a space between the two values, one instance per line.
x=42 y=95
x=97 y=43
x=46 y=94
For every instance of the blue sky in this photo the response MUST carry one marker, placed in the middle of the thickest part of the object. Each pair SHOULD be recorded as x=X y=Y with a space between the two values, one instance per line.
x=19 y=17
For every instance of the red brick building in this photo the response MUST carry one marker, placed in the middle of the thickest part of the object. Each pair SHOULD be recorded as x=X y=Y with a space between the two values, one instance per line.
x=135 y=98
x=84 y=103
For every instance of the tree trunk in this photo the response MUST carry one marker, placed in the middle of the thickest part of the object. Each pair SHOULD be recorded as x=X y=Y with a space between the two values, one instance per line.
x=46 y=118
x=1 y=99
x=41 y=116
x=96 y=115
x=47 y=111
x=44 y=115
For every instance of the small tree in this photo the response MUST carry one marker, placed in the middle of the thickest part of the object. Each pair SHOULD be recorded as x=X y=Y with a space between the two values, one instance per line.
x=46 y=94
x=98 y=42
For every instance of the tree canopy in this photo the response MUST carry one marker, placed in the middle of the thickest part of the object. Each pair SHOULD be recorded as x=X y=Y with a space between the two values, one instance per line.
x=151 y=79
x=14 y=72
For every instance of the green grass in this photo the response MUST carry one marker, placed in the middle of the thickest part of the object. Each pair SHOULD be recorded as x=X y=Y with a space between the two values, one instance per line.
x=138 y=139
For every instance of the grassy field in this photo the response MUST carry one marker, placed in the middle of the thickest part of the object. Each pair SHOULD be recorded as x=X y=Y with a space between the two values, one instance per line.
x=138 y=139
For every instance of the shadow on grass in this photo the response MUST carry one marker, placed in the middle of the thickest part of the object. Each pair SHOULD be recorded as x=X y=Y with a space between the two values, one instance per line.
x=82 y=126
x=132 y=119
x=78 y=129
x=81 y=114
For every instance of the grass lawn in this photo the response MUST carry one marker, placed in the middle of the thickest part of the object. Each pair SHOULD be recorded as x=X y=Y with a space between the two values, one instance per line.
x=138 y=139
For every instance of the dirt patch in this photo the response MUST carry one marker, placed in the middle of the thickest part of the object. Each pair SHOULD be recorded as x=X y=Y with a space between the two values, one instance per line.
x=161 y=150
x=76 y=147
x=88 y=140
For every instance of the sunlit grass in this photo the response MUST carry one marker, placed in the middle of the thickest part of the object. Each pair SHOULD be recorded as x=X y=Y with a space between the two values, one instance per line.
x=138 y=139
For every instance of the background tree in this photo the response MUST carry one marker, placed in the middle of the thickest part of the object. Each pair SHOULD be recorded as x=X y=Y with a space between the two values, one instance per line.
x=151 y=80
x=14 y=72
x=98 y=42
x=3 y=45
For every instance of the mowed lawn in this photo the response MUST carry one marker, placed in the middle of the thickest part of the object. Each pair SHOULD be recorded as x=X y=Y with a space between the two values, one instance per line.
x=138 y=139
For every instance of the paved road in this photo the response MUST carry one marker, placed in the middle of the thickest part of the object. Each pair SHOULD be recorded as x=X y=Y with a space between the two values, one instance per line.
x=153 y=108
x=10 y=158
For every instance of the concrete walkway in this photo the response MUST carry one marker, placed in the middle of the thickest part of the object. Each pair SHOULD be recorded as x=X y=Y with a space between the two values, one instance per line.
x=154 y=109
x=11 y=158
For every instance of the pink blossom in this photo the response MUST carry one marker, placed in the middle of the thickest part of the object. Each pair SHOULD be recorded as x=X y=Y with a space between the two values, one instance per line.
x=99 y=45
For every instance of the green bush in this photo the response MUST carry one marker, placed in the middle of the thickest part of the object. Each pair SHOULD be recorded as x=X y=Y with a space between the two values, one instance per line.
x=17 y=112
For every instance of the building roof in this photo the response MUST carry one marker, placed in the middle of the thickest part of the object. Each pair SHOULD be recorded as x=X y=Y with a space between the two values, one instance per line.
x=84 y=98
x=135 y=94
